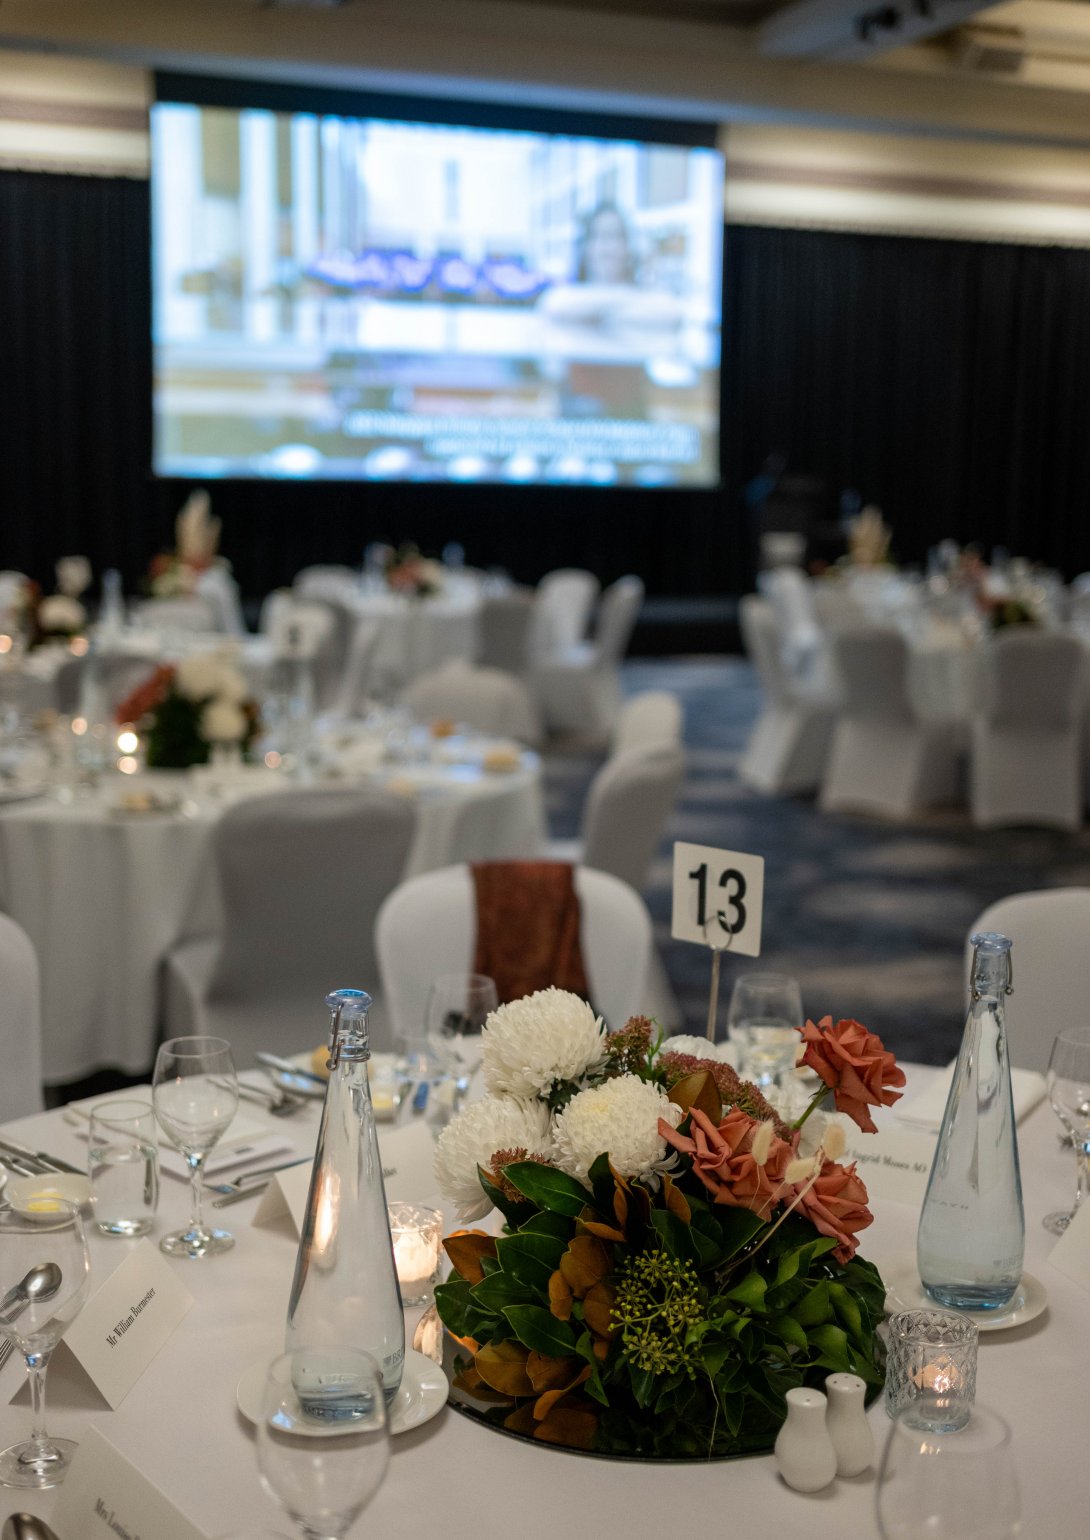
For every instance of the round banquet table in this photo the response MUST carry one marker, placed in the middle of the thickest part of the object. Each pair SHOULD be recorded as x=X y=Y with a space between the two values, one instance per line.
x=416 y=635
x=180 y=1427
x=104 y=894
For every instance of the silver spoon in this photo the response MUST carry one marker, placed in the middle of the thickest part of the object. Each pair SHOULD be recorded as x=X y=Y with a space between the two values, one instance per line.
x=24 y=1526
x=40 y=1283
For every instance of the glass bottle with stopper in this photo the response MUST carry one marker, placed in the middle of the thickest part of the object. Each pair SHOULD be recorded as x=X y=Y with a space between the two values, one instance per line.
x=972 y=1231
x=345 y=1290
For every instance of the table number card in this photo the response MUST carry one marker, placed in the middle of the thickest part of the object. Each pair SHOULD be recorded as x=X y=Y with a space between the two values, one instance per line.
x=718 y=897
x=125 y=1323
x=104 y=1494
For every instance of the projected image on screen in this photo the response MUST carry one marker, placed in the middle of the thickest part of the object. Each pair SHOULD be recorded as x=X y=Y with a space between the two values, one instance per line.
x=371 y=299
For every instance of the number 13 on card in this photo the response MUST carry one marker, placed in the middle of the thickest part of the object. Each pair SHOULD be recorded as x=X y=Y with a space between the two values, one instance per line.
x=718 y=895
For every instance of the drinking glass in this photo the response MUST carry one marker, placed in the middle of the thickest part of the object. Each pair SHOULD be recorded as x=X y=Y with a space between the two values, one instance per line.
x=458 y=1006
x=765 y=1013
x=961 y=1483
x=195 y=1094
x=123 y=1164
x=44 y=1278
x=1069 y=1093
x=323 y=1442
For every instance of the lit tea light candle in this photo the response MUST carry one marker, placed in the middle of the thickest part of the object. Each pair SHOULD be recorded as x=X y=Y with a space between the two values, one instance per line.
x=941 y=1379
x=415 y=1233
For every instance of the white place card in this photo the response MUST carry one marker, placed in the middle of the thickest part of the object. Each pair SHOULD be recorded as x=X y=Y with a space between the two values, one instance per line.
x=894 y=1163
x=1071 y=1253
x=718 y=898
x=104 y=1494
x=124 y=1324
x=408 y=1172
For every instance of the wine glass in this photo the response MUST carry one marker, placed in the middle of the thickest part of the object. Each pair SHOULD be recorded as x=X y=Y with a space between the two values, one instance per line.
x=1069 y=1093
x=962 y=1483
x=458 y=1006
x=44 y=1278
x=765 y=1013
x=195 y=1093
x=323 y=1443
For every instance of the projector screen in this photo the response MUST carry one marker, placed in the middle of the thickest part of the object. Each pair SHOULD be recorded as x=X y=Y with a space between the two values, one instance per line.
x=367 y=298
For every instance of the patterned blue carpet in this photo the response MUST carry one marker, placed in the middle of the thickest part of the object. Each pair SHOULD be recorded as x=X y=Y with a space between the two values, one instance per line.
x=870 y=916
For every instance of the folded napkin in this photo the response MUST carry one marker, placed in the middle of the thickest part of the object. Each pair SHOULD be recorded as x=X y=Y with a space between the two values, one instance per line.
x=528 y=927
x=245 y=1143
x=926 y=1110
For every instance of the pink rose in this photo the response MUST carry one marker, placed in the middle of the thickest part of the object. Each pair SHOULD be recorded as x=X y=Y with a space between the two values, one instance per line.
x=723 y=1160
x=854 y=1065
x=836 y=1205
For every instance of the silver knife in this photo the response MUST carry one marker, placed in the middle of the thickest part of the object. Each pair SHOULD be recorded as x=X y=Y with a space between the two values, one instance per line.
x=286 y=1067
x=243 y=1192
x=51 y=1162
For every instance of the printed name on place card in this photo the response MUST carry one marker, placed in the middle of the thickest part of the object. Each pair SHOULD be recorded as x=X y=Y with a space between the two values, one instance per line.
x=125 y=1323
x=104 y=1494
x=894 y=1163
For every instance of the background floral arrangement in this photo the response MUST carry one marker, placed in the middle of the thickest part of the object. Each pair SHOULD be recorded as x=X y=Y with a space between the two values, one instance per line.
x=175 y=574
x=183 y=711
x=58 y=616
x=407 y=572
x=675 y=1257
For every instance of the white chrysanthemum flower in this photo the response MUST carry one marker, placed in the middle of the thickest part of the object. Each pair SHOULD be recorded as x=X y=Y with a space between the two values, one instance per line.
x=223 y=722
x=494 y=1123
x=699 y=1047
x=530 y=1044
x=207 y=676
x=619 y=1118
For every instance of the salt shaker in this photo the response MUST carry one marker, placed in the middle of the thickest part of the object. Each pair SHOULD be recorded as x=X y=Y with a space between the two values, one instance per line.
x=847 y=1425
x=804 y=1451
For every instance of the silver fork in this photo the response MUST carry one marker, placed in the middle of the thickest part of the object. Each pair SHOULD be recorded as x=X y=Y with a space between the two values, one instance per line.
x=242 y=1182
x=277 y=1103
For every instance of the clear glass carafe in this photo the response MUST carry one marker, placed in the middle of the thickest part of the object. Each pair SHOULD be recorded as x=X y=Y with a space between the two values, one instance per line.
x=345 y=1290
x=972 y=1228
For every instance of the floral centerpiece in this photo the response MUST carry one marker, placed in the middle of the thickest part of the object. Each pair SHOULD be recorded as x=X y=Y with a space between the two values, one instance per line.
x=407 y=572
x=175 y=574
x=186 y=710
x=674 y=1256
x=56 y=617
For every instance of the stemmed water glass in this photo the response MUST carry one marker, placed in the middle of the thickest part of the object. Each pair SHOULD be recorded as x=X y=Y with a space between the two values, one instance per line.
x=44 y=1279
x=195 y=1094
x=1069 y=1093
x=323 y=1441
x=765 y=1011
x=458 y=1006
x=959 y=1483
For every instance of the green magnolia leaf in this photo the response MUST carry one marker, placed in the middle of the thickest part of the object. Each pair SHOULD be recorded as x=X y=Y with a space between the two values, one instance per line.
x=540 y=1331
x=515 y=1213
x=678 y=1239
x=548 y=1187
x=501 y=1289
x=531 y=1258
x=559 y=1226
x=451 y=1301
x=602 y=1185
x=585 y=1348
x=748 y=1291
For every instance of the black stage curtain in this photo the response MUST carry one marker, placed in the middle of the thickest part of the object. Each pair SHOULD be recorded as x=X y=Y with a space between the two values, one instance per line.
x=946 y=380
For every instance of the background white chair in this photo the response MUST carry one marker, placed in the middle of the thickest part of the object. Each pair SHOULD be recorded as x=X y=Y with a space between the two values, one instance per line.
x=326 y=582
x=220 y=592
x=802 y=642
x=188 y=613
x=20 y=1024
x=1051 y=967
x=307 y=633
x=301 y=876
x=1026 y=765
x=579 y=689
x=652 y=719
x=505 y=624
x=357 y=677
x=562 y=605
x=486 y=699
x=883 y=759
x=615 y=932
x=789 y=744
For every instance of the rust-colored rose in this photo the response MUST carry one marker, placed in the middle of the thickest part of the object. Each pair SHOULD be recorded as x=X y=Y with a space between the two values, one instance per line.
x=855 y=1066
x=723 y=1160
x=836 y=1205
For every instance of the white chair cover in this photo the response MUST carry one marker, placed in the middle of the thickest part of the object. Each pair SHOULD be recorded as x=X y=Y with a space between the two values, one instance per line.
x=652 y=719
x=579 y=690
x=191 y=613
x=352 y=697
x=789 y=744
x=327 y=582
x=307 y=631
x=628 y=807
x=562 y=606
x=615 y=931
x=883 y=759
x=301 y=875
x=220 y=591
x=1051 y=962
x=20 y=1024
x=1026 y=751
x=505 y=622
x=486 y=699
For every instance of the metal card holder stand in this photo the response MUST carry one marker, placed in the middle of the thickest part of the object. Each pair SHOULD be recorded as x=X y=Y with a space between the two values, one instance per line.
x=713 y=996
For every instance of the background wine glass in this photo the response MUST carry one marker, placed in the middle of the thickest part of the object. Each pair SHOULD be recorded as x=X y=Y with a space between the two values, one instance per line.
x=458 y=1006
x=323 y=1442
x=765 y=1011
x=35 y=1319
x=962 y=1483
x=1069 y=1093
x=195 y=1094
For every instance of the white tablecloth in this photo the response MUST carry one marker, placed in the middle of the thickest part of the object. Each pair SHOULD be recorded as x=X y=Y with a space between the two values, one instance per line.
x=104 y=895
x=416 y=635
x=452 y=1477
